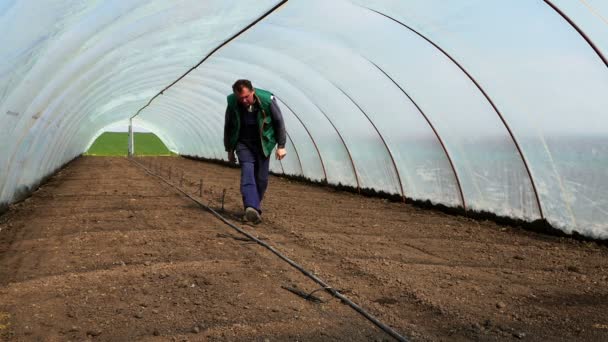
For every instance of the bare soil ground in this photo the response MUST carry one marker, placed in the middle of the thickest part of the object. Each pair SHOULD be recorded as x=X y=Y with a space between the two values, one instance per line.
x=104 y=251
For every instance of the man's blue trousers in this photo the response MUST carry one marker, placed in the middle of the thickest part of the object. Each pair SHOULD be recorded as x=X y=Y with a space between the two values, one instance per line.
x=254 y=175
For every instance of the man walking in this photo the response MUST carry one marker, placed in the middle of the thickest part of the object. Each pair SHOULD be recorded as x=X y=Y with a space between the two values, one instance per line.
x=253 y=126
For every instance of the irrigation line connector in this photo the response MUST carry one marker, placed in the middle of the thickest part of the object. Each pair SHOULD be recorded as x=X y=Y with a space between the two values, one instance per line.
x=307 y=296
x=317 y=290
x=390 y=331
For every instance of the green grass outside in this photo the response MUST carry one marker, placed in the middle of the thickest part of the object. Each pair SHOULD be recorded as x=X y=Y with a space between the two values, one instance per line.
x=116 y=144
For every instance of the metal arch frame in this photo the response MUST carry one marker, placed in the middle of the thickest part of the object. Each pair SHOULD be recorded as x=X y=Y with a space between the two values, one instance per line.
x=246 y=28
x=399 y=178
x=309 y=135
x=84 y=106
x=296 y=151
x=390 y=154
x=445 y=150
x=81 y=107
x=61 y=144
x=183 y=106
x=130 y=40
x=135 y=39
x=350 y=156
x=579 y=30
x=297 y=155
x=306 y=128
x=225 y=43
x=288 y=136
x=356 y=174
x=205 y=101
x=180 y=106
x=72 y=125
x=303 y=125
x=168 y=116
x=483 y=92
x=330 y=122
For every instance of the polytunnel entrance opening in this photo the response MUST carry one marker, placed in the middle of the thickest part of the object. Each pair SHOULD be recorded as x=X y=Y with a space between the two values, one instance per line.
x=114 y=142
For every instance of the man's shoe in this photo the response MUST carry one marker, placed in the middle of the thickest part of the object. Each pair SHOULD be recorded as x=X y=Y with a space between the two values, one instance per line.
x=252 y=215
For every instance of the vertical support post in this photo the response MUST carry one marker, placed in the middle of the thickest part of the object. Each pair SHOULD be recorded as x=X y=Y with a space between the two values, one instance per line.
x=131 y=140
x=223 y=198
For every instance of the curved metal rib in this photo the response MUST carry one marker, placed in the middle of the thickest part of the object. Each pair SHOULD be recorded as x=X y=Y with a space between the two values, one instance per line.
x=213 y=52
x=483 y=92
x=390 y=154
x=579 y=30
x=352 y=162
x=311 y=138
x=297 y=154
x=464 y=205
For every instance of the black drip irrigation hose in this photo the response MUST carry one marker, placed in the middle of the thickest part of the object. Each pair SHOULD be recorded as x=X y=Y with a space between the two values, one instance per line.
x=390 y=331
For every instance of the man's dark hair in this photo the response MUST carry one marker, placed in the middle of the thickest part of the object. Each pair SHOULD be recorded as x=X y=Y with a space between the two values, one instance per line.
x=240 y=84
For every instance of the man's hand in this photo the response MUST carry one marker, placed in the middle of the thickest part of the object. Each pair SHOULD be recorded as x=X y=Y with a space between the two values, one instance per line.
x=231 y=157
x=280 y=153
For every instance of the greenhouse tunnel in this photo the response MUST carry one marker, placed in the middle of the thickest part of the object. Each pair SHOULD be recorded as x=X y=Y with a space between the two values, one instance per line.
x=487 y=105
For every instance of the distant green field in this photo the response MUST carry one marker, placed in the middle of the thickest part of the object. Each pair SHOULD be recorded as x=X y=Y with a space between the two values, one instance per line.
x=116 y=144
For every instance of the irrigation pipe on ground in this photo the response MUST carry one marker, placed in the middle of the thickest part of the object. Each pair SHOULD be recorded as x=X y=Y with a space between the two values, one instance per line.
x=307 y=273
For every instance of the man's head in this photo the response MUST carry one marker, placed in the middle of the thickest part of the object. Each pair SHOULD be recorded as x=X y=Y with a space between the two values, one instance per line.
x=244 y=92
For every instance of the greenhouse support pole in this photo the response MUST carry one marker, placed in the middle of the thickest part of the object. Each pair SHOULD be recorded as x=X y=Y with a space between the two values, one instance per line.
x=131 y=140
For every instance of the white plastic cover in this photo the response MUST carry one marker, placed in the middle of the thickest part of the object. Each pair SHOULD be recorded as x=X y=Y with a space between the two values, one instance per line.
x=490 y=105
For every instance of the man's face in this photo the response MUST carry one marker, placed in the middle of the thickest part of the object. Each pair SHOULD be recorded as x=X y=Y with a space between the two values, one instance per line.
x=246 y=97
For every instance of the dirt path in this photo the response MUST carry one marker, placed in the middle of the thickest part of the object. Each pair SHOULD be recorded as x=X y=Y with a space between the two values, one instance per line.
x=106 y=250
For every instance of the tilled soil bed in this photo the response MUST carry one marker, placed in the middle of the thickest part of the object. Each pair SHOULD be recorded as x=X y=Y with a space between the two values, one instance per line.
x=104 y=251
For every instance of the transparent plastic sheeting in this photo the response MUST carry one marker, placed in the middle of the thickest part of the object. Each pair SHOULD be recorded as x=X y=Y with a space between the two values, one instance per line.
x=490 y=105
x=70 y=68
x=548 y=82
x=591 y=16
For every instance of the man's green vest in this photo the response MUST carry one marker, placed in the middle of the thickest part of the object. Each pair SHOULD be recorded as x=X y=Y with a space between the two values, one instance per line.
x=267 y=137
